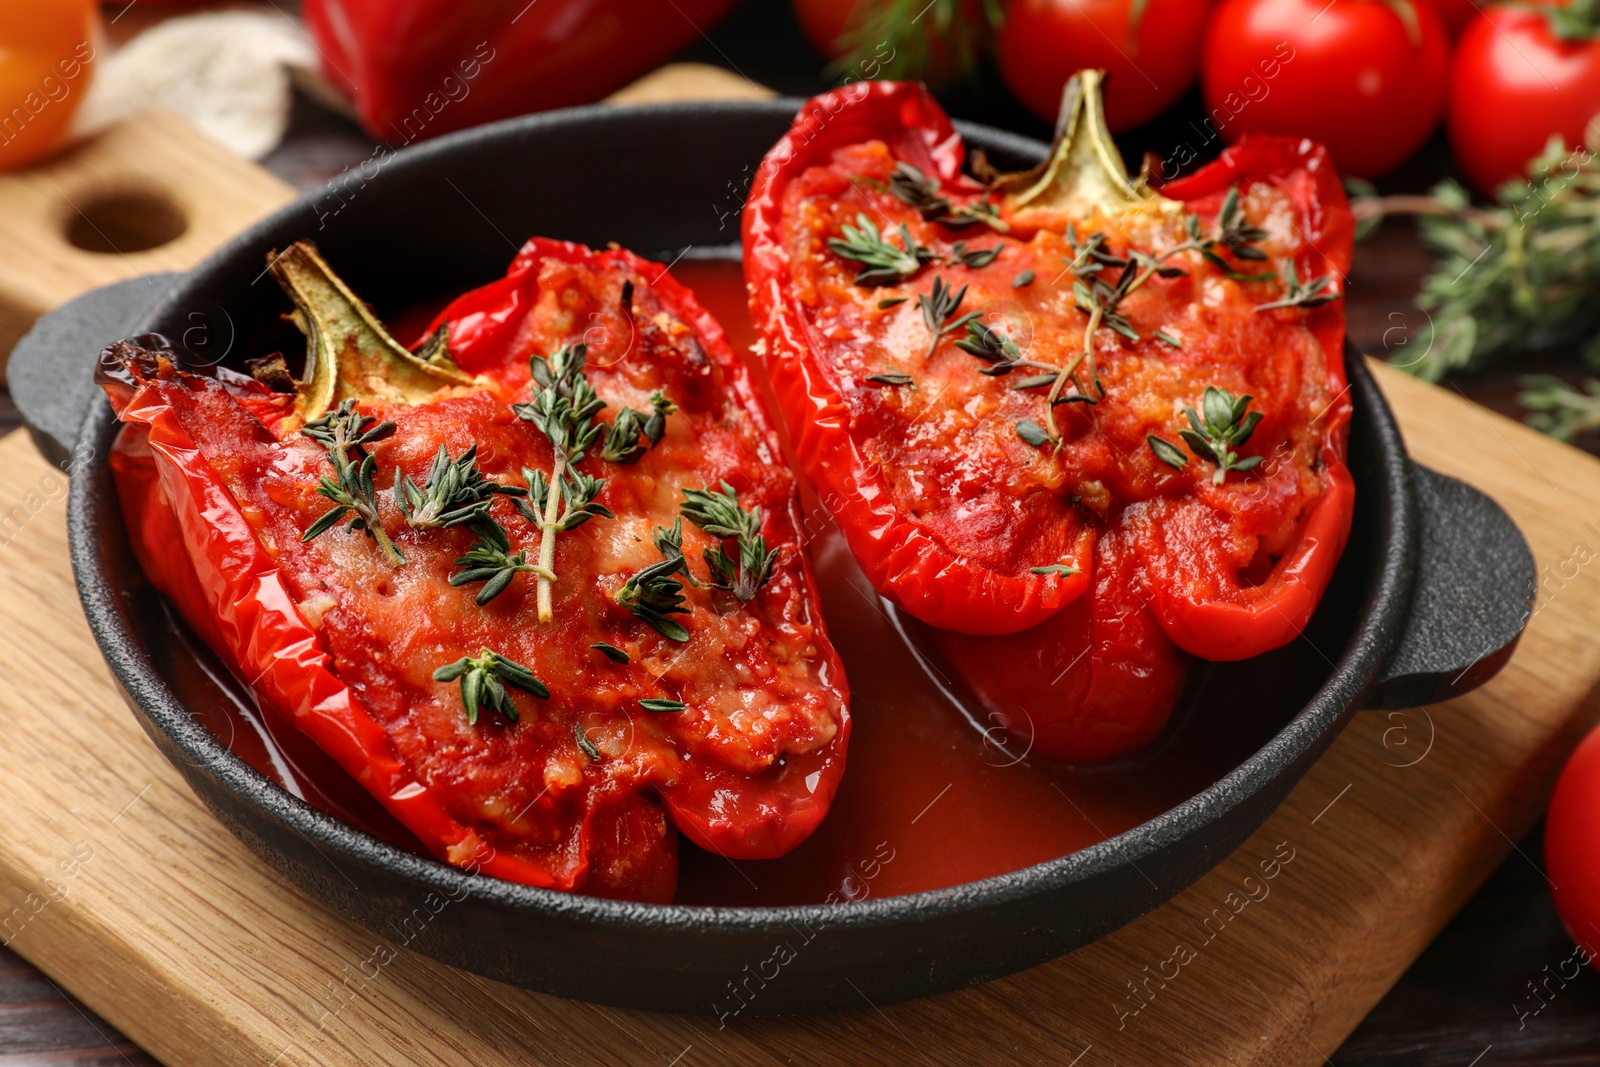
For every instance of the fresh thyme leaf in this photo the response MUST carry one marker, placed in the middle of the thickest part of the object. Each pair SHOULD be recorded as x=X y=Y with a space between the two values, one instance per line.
x=654 y=594
x=1561 y=410
x=566 y=404
x=585 y=745
x=1061 y=570
x=719 y=514
x=484 y=678
x=1036 y=381
x=622 y=444
x=892 y=378
x=1167 y=452
x=1022 y=280
x=1096 y=295
x=490 y=560
x=1167 y=338
x=974 y=258
x=1309 y=294
x=1033 y=433
x=993 y=347
x=913 y=188
x=661 y=705
x=1221 y=424
x=345 y=433
x=564 y=410
x=890 y=301
x=882 y=262
x=455 y=491
x=937 y=307
x=611 y=652
x=1232 y=232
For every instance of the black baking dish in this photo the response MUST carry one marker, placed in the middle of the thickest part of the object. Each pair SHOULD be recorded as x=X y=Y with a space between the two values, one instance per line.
x=1428 y=601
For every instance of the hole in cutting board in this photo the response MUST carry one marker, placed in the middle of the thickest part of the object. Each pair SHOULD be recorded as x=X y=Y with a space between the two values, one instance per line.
x=126 y=221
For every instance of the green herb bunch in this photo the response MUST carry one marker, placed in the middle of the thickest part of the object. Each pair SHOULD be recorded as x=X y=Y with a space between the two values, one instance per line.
x=1521 y=275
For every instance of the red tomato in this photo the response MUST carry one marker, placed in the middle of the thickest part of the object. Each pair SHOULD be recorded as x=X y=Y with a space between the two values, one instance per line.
x=1352 y=74
x=1150 y=61
x=1456 y=14
x=935 y=41
x=1512 y=85
x=823 y=22
x=46 y=48
x=1571 y=832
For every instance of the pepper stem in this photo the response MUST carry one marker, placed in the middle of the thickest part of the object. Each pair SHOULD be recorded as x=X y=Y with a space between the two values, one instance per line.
x=349 y=354
x=1084 y=173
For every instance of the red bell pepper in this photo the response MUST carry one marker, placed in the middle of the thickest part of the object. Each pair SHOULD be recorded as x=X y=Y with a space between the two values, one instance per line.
x=511 y=702
x=419 y=68
x=990 y=385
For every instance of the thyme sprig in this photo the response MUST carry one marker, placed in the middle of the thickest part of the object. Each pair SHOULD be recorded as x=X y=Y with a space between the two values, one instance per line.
x=491 y=561
x=882 y=262
x=719 y=514
x=1519 y=275
x=345 y=433
x=484 y=679
x=1232 y=232
x=913 y=188
x=454 y=492
x=1561 y=410
x=564 y=410
x=996 y=349
x=1100 y=298
x=1222 y=424
x=622 y=443
x=654 y=594
x=937 y=307
x=1314 y=292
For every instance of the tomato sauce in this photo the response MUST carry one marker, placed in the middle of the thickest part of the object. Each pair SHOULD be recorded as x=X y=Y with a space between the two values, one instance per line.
x=933 y=795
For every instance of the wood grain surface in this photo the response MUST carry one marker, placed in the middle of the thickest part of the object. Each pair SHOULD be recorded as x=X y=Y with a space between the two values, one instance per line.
x=122 y=886
x=150 y=177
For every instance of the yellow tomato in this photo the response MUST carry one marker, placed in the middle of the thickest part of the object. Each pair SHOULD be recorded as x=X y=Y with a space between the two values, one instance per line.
x=47 y=51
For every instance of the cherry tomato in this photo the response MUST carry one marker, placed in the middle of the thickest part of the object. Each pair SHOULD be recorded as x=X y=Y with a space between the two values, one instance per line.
x=933 y=41
x=1571 y=832
x=1150 y=59
x=1364 y=77
x=47 y=48
x=1513 y=84
x=823 y=22
x=1456 y=14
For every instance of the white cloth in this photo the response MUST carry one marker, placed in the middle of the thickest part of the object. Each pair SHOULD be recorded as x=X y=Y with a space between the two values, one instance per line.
x=228 y=72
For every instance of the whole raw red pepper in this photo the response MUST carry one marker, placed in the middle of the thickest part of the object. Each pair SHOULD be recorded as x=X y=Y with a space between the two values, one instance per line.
x=419 y=68
x=727 y=719
x=990 y=387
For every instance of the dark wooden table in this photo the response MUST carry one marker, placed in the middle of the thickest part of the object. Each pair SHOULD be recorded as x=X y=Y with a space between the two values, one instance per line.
x=1466 y=1002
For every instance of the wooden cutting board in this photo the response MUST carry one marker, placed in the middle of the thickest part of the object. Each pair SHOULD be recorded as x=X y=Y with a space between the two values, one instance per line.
x=122 y=887
x=116 y=881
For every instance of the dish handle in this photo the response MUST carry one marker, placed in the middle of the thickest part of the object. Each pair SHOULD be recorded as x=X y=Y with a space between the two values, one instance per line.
x=1475 y=590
